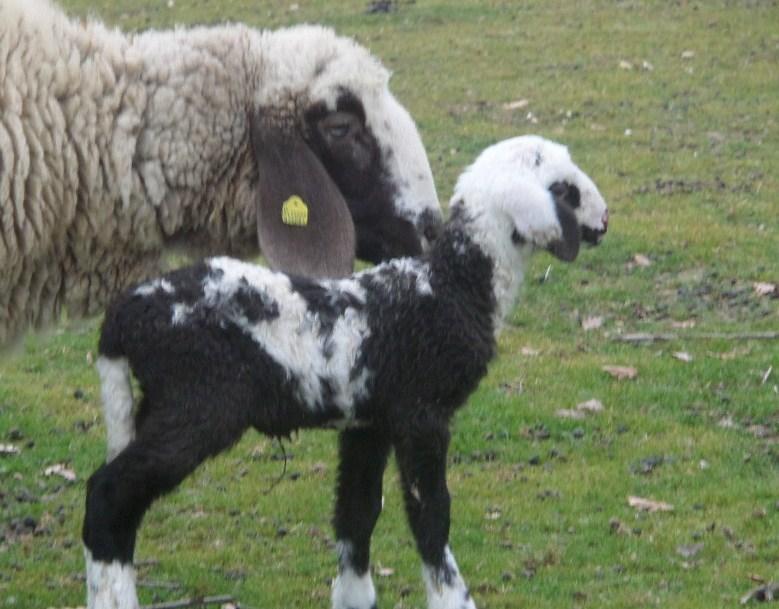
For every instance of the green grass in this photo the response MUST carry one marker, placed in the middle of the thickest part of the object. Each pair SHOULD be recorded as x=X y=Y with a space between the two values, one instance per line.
x=693 y=186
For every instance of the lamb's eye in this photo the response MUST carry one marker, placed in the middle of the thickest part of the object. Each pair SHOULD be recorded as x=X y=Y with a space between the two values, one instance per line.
x=516 y=238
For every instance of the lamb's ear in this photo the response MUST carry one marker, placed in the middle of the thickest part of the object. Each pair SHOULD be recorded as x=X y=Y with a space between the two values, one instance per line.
x=566 y=248
x=303 y=223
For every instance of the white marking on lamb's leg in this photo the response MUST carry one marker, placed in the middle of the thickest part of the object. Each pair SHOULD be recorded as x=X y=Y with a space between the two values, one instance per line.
x=117 y=395
x=351 y=590
x=445 y=586
x=110 y=585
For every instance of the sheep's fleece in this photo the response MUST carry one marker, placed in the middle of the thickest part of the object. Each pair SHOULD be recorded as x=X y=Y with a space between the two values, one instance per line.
x=115 y=146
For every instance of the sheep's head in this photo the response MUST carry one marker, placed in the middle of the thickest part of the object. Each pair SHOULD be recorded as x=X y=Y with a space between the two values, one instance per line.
x=525 y=193
x=363 y=154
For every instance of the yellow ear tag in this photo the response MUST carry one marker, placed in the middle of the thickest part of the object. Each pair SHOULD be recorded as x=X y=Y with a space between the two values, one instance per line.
x=294 y=212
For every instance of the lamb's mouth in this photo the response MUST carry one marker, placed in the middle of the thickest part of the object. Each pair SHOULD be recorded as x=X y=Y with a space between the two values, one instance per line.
x=592 y=236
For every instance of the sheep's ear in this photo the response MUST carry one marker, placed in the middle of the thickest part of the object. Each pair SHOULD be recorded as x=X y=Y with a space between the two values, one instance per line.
x=567 y=248
x=303 y=223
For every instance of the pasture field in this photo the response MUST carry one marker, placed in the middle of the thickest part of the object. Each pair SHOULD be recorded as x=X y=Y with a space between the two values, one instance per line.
x=672 y=108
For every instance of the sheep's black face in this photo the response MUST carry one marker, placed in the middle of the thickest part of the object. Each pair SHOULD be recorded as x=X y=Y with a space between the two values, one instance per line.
x=568 y=194
x=352 y=157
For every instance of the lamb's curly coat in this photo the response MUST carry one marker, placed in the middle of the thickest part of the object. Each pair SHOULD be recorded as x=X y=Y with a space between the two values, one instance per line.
x=113 y=146
x=387 y=356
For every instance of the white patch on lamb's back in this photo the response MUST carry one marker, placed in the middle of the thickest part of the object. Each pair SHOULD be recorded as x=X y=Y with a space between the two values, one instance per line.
x=150 y=287
x=296 y=339
x=110 y=585
x=117 y=397
x=398 y=271
x=443 y=594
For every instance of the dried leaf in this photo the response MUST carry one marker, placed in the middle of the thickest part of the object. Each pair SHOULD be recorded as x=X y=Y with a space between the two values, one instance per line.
x=649 y=505
x=682 y=356
x=385 y=571
x=565 y=413
x=684 y=324
x=625 y=65
x=688 y=54
x=493 y=514
x=621 y=373
x=592 y=405
x=59 y=469
x=766 y=374
x=645 y=65
x=689 y=550
x=8 y=449
x=592 y=323
x=618 y=527
x=529 y=352
x=641 y=260
x=516 y=104
x=762 y=288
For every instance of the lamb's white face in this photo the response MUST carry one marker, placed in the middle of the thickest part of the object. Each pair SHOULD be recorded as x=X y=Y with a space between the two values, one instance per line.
x=551 y=164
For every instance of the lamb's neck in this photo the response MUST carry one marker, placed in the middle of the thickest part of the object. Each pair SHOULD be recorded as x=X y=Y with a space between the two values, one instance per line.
x=506 y=260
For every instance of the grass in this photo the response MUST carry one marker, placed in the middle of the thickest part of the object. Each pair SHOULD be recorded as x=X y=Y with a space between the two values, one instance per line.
x=685 y=149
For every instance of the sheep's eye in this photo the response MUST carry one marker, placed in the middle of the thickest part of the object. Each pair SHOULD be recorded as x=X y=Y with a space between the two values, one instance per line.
x=338 y=125
x=337 y=131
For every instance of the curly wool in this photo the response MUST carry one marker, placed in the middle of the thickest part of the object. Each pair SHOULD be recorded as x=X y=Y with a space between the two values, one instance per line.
x=111 y=147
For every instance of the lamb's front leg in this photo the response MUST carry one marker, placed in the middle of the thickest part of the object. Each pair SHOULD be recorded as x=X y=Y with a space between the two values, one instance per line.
x=363 y=458
x=422 y=462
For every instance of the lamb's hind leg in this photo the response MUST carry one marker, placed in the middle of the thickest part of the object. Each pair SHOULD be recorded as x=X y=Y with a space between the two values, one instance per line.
x=421 y=456
x=120 y=492
x=363 y=458
x=117 y=397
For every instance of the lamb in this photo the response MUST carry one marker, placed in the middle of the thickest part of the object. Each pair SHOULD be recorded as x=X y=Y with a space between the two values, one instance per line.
x=219 y=140
x=386 y=356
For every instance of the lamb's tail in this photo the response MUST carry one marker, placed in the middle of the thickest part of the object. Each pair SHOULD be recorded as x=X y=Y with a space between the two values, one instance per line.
x=117 y=395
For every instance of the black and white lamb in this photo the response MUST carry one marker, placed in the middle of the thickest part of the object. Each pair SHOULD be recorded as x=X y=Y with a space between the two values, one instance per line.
x=387 y=356
x=114 y=147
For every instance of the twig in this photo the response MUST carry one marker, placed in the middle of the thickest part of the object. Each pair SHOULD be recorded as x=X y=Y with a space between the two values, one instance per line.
x=645 y=337
x=150 y=583
x=768 y=592
x=200 y=601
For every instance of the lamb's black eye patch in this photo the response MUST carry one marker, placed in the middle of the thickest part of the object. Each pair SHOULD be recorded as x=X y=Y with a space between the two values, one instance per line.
x=565 y=192
x=516 y=238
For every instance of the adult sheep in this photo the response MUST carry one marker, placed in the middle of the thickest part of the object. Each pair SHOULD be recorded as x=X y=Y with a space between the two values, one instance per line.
x=115 y=147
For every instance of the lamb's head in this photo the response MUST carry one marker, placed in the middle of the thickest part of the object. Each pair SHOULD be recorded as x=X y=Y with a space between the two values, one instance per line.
x=551 y=164
x=347 y=147
x=525 y=193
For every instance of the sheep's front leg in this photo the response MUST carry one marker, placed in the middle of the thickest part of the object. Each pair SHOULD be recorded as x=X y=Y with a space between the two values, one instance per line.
x=422 y=462
x=363 y=458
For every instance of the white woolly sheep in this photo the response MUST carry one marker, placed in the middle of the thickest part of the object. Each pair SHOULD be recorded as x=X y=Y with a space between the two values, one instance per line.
x=114 y=147
x=387 y=356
